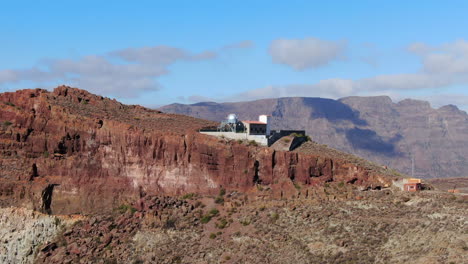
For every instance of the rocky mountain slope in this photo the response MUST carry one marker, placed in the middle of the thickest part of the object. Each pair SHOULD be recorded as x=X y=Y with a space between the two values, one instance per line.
x=374 y=128
x=69 y=151
x=86 y=179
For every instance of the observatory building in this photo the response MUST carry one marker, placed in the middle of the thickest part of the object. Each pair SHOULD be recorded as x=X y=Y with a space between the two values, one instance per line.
x=256 y=130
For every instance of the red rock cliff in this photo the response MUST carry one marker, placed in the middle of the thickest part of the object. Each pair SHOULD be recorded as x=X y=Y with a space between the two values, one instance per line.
x=69 y=151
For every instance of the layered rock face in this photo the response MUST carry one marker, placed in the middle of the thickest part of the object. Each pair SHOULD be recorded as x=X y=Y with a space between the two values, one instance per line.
x=374 y=128
x=22 y=231
x=69 y=151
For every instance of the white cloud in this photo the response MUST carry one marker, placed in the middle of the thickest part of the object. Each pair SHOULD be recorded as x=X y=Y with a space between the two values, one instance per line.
x=441 y=67
x=331 y=88
x=160 y=55
x=438 y=100
x=198 y=98
x=419 y=48
x=121 y=73
x=239 y=45
x=302 y=54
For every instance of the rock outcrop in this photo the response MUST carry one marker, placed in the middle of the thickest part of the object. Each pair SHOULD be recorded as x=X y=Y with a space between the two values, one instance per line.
x=69 y=151
x=22 y=231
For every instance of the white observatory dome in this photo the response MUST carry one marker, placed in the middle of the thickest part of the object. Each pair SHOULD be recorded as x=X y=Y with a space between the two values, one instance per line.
x=232 y=118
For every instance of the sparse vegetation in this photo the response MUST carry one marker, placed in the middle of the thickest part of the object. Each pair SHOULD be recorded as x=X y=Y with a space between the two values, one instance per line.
x=296 y=135
x=126 y=208
x=187 y=196
x=274 y=216
x=222 y=192
x=7 y=123
x=214 y=212
x=207 y=218
x=219 y=200
x=170 y=223
x=245 y=222
x=297 y=186
x=253 y=143
x=222 y=223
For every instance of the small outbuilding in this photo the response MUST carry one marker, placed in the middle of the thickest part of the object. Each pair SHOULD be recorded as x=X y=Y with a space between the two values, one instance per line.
x=412 y=185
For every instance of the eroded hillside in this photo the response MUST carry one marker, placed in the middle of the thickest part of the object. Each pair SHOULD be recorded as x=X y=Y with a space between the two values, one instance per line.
x=126 y=184
x=69 y=151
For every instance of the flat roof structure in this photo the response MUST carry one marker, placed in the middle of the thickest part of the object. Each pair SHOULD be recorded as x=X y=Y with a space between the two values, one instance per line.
x=254 y=122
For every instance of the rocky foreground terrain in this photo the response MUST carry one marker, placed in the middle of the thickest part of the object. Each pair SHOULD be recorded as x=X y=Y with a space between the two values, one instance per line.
x=86 y=179
x=374 y=128
x=339 y=225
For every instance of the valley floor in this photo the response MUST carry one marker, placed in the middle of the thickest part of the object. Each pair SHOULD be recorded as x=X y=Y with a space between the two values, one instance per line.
x=370 y=227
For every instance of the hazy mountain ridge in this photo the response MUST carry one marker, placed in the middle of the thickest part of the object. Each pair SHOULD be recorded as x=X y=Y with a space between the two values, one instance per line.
x=372 y=127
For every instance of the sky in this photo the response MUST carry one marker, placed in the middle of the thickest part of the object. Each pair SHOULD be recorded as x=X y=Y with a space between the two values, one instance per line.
x=155 y=53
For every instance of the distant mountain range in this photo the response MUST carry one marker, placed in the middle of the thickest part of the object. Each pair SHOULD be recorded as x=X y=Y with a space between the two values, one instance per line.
x=374 y=128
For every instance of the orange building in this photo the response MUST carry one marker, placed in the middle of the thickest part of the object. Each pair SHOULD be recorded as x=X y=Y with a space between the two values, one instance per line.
x=412 y=185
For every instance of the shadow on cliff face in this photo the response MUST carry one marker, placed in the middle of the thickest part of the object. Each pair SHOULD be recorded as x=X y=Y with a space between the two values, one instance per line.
x=369 y=140
x=47 y=194
x=333 y=110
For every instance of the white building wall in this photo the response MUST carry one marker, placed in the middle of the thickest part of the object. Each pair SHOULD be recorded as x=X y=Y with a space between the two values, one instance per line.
x=265 y=119
x=260 y=139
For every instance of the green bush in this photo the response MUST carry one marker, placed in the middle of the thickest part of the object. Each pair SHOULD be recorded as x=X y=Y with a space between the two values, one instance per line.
x=222 y=192
x=245 y=222
x=212 y=235
x=7 y=123
x=287 y=140
x=253 y=143
x=296 y=135
x=222 y=223
x=188 y=196
x=214 y=212
x=205 y=219
x=300 y=136
x=125 y=208
x=274 y=216
x=219 y=200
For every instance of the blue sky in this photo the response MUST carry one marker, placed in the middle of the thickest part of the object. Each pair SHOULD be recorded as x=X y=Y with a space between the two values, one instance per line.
x=159 y=52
